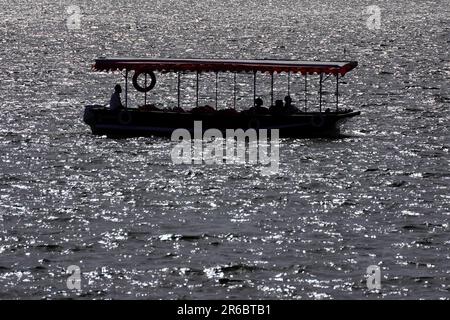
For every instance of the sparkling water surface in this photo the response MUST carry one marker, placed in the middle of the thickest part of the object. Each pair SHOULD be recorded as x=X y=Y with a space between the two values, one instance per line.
x=139 y=226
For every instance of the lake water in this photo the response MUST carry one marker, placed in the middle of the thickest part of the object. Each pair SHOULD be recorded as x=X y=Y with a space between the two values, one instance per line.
x=139 y=226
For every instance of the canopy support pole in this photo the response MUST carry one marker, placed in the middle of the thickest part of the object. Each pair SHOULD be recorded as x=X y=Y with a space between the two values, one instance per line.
x=306 y=92
x=196 y=103
x=289 y=84
x=145 y=94
x=234 y=92
x=337 y=91
x=254 y=88
x=271 y=91
x=126 y=89
x=179 y=90
x=320 y=92
x=217 y=88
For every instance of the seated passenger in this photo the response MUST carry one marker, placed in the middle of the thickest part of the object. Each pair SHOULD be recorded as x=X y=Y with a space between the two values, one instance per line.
x=178 y=109
x=208 y=109
x=289 y=107
x=115 y=104
x=228 y=111
x=287 y=101
x=203 y=109
x=277 y=108
x=258 y=108
x=149 y=107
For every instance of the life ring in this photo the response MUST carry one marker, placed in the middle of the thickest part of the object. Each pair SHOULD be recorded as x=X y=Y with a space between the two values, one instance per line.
x=317 y=120
x=150 y=86
x=124 y=117
x=253 y=124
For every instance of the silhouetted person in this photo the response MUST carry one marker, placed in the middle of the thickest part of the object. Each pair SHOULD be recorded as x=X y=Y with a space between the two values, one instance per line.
x=115 y=103
x=277 y=108
x=258 y=108
x=289 y=107
x=259 y=102
x=287 y=101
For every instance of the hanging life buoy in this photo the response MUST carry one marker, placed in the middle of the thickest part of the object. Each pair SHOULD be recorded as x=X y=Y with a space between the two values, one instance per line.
x=124 y=117
x=138 y=87
x=317 y=120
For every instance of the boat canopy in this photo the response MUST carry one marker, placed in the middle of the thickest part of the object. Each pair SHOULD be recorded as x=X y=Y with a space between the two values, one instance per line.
x=219 y=65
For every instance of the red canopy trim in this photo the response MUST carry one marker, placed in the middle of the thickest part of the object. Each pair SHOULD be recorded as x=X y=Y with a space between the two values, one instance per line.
x=212 y=65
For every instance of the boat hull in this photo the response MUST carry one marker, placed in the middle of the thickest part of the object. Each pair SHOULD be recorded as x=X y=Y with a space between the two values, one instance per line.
x=133 y=123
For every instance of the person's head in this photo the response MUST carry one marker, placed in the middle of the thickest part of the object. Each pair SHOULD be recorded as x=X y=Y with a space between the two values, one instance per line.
x=118 y=88
x=288 y=100
x=259 y=102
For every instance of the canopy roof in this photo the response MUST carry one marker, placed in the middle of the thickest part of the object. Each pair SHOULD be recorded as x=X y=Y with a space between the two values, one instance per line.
x=218 y=65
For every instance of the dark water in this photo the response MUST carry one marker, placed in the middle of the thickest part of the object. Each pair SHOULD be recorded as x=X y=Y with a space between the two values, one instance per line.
x=140 y=227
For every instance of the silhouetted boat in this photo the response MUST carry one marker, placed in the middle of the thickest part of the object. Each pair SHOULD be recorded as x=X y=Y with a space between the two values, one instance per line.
x=150 y=120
